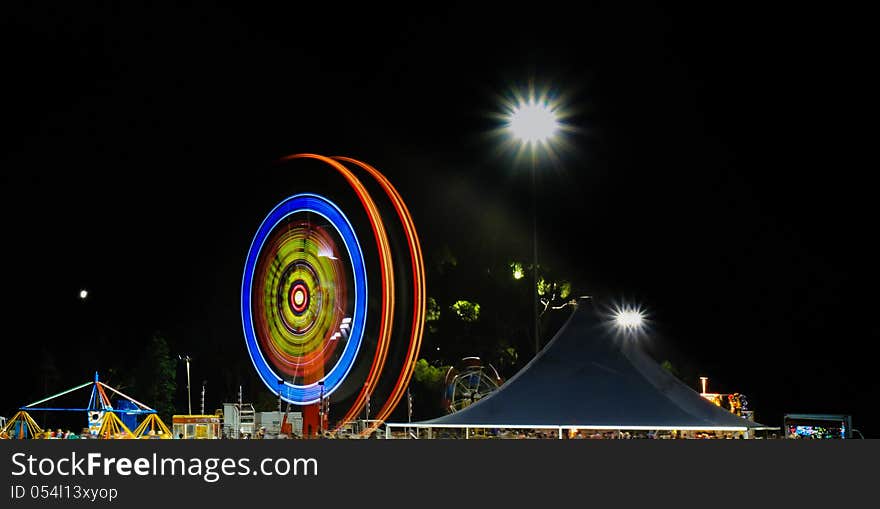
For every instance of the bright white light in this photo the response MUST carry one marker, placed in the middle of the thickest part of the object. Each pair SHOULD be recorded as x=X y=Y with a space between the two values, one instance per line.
x=533 y=121
x=83 y=294
x=628 y=318
x=326 y=252
x=299 y=297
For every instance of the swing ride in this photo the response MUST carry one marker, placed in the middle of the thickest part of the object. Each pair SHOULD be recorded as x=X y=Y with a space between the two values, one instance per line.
x=102 y=418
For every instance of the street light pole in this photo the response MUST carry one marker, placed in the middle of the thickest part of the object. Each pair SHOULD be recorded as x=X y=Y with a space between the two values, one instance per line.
x=533 y=122
x=189 y=403
x=187 y=358
x=535 y=253
x=408 y=411
x=280 y=390
x=321 y=410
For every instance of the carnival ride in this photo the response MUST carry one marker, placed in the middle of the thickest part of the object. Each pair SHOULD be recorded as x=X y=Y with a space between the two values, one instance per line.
x=102 y=417
x=333 y=293
x=468 y=382
x=736 y=403
x=113 y=427
x=152 y=427
x=20 y=426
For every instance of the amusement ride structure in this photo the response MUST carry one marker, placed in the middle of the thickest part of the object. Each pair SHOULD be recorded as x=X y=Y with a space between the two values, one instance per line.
x=467 y=382
x=101 y=416
x=333 y=294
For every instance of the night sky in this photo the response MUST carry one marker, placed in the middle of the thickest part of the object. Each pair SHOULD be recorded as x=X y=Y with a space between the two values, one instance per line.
x=716 y=173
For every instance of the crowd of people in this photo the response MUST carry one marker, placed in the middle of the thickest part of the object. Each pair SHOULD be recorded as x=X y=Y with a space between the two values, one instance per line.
x=573 y=434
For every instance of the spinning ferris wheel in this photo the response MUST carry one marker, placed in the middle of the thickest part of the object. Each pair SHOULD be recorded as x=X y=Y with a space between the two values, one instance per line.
x=333 y=292
x=467 y=382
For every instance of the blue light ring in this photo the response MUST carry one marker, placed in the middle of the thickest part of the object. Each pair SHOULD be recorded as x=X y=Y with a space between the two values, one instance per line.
x=306 y=202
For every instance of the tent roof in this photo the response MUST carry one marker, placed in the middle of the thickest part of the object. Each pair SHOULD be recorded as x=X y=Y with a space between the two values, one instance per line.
x=588 y=377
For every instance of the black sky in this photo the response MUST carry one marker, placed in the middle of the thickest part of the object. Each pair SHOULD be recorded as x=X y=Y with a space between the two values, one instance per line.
x=719 y=174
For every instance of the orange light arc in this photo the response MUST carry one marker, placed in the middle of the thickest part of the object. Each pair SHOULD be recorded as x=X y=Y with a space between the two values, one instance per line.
x=386 y=269
x=419 y=293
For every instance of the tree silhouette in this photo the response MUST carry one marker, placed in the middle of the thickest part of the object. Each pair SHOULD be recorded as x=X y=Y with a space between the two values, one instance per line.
x=157 y=379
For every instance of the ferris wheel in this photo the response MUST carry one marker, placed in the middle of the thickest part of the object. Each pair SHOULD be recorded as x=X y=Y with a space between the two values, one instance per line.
x=467 y=382
x=333 y=290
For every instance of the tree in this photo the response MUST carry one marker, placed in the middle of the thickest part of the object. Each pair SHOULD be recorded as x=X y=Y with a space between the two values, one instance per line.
x=427 y=389
x=49 y=375
x=157 y=376
x=431 y=376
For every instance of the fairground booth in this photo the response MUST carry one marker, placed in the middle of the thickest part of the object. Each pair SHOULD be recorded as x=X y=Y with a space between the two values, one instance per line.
x=197 y=426
x=818 y=426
